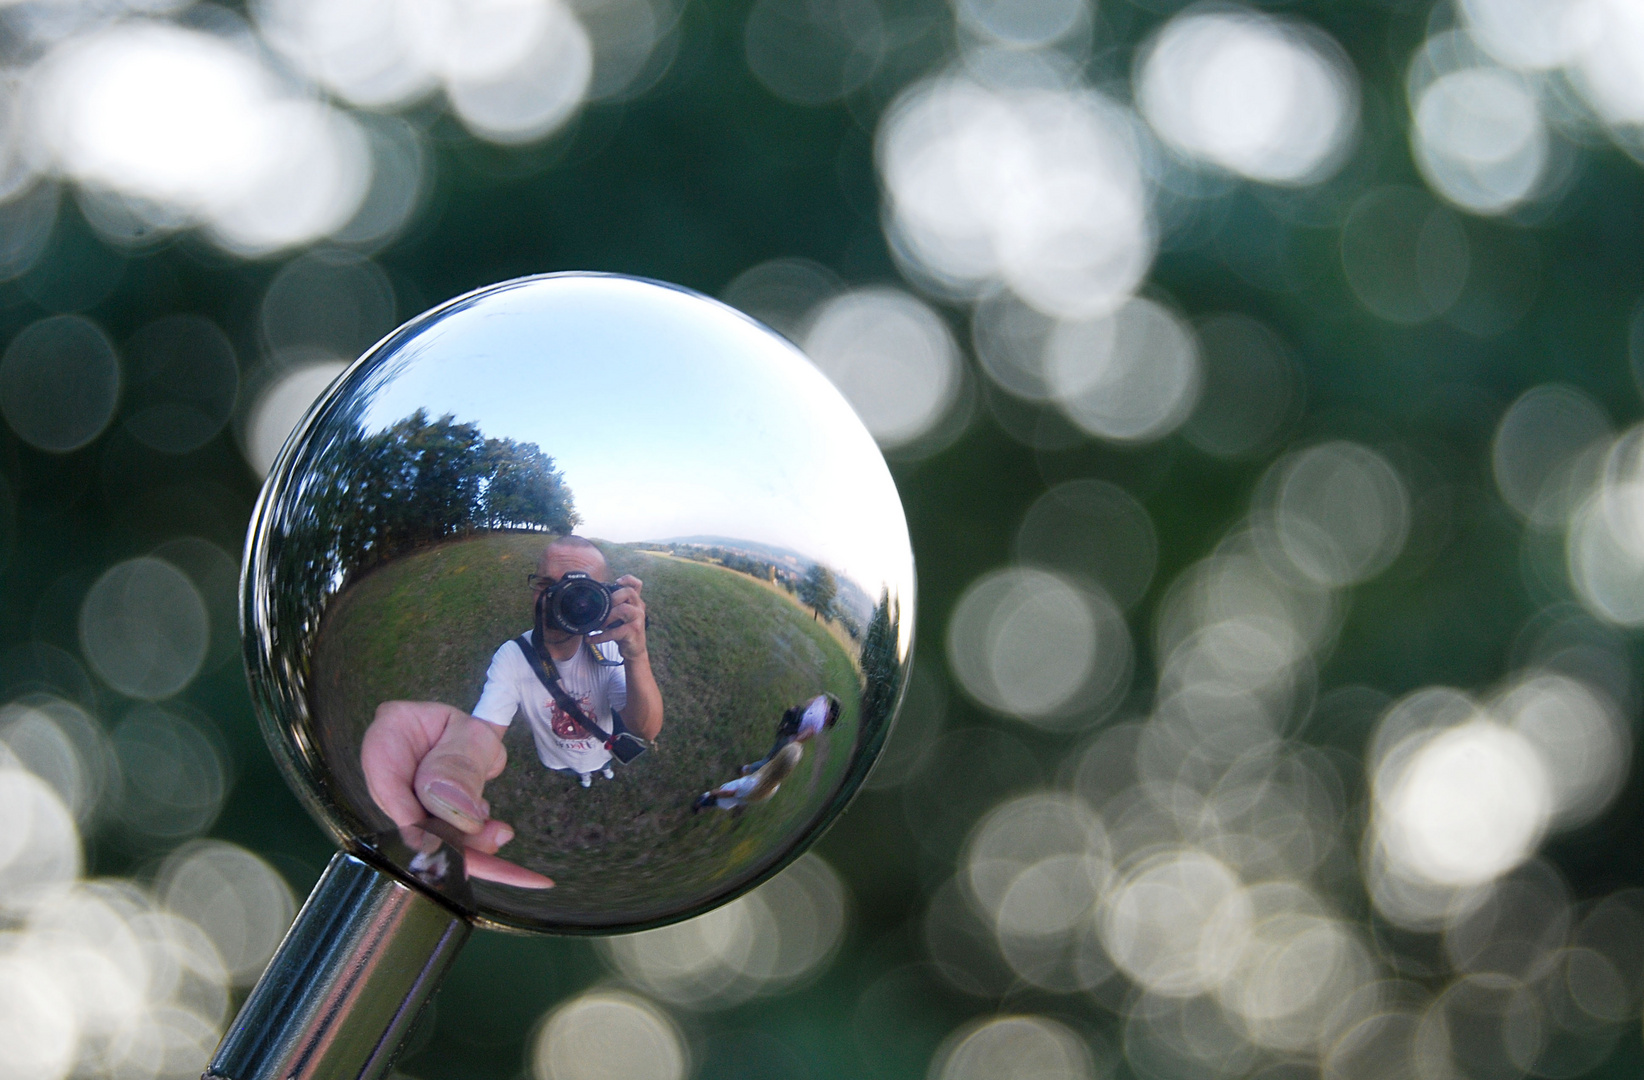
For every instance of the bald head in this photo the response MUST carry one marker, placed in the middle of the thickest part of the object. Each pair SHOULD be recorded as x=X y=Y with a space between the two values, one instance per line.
x=568 y=553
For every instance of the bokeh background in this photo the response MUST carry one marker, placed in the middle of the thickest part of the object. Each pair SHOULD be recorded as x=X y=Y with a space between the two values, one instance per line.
x=1261 y=382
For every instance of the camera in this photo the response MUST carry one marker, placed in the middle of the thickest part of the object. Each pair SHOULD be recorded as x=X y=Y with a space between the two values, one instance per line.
x=575 y=604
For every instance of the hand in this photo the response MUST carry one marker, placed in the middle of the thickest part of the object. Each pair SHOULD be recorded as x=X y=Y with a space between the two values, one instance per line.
x=627 y=624
x=423 y=758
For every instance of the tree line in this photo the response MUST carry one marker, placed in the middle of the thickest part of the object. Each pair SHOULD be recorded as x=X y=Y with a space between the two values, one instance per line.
x=368 y=498
x=881 y=668
x=420 y=481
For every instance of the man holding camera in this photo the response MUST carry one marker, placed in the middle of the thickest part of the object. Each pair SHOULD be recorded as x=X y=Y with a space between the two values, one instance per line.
x=426 y=757
x=605 y=672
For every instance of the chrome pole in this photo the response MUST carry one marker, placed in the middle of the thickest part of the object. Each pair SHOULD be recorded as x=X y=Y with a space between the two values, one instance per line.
x=360 y=961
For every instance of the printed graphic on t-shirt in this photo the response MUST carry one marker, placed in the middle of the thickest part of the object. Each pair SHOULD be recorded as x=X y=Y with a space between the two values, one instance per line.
x=562 y=724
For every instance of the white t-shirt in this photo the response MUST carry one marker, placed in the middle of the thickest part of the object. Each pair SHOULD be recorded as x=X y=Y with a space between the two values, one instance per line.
x=511 y=686
x=739 y=789
x=814 y=718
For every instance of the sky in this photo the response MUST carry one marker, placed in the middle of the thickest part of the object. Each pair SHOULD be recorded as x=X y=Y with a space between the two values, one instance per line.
x=670 y=415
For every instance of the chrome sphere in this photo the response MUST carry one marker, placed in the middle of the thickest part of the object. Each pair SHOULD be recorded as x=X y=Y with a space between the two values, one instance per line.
x=592 y=581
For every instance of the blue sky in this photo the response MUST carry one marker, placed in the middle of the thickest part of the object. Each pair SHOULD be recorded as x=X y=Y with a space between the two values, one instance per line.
x=669 y=416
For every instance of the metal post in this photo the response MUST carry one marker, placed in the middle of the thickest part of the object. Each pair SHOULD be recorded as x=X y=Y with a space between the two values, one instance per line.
x=340 y=995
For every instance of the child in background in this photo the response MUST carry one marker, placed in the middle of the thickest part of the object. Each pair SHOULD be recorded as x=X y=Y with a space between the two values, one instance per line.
x=754 y=787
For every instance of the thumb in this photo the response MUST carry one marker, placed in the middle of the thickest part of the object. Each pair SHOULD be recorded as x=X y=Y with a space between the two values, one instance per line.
x=447 y=799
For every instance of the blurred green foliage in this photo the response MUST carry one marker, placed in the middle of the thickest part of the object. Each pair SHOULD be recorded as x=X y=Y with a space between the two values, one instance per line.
x=708 y=174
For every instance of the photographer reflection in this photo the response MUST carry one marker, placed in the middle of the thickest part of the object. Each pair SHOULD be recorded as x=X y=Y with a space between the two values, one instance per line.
x=582 y=702
x=424 y=758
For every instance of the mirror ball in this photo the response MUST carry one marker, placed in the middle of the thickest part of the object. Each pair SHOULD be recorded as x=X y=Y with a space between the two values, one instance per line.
x=594 y=575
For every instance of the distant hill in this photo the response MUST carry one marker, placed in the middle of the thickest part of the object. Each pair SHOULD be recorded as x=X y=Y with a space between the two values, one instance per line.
x=851 y=596
x=749 y=547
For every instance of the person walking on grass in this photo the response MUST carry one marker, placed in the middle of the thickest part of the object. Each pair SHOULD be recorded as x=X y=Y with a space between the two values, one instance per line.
x=754 y=787
x=800 y=724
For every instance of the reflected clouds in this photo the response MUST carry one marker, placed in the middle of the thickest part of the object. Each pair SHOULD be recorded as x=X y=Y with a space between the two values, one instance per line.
x=822 y=495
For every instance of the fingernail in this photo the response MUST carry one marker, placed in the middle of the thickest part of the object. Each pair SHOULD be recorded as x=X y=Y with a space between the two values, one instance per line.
x=453 y=800
x=504 y=835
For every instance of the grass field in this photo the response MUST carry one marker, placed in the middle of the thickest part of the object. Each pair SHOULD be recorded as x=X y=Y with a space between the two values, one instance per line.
x=729 y=653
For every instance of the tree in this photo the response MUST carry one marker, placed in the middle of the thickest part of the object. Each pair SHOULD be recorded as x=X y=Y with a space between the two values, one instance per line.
x=524 y=490
x=818 y=589
x=367 y=498
x=881 y=665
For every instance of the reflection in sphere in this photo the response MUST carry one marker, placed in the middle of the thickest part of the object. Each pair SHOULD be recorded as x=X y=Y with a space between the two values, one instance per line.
x=431 y=522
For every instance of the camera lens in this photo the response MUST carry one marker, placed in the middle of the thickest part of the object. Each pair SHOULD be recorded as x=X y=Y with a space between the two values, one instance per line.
x=582 y=606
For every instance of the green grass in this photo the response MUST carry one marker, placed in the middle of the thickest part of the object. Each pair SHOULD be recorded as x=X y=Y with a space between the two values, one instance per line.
x=730 y=654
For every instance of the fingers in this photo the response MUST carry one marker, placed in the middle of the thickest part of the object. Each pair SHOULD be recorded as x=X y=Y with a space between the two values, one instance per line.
x=422 y=758
x=491 y=836
x=492 y=868
x=626 y=610
x=625 y=618
x=627 y=626
x=629 y=593
x=398 y=739
x=450 y=780
x=480 y=859
x=450 y=803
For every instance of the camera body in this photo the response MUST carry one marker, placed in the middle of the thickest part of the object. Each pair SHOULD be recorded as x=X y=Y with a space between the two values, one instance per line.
x=575 y=604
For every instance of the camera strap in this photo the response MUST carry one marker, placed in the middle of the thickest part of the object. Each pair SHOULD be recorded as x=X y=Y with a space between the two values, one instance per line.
x=549 y=677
